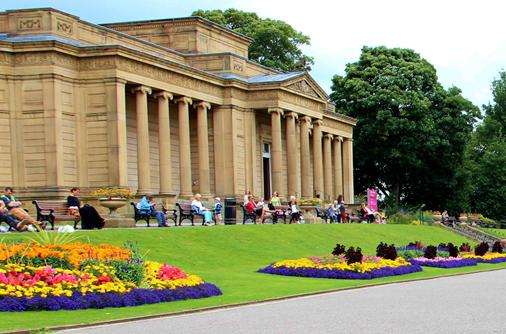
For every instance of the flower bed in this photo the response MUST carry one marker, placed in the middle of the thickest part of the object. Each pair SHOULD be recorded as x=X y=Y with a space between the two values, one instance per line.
x=78 y=276
x=337 y=267
x=443 y=262
x=489 y=257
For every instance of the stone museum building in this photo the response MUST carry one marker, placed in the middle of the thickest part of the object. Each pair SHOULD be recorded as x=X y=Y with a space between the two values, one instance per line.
x=170 y=107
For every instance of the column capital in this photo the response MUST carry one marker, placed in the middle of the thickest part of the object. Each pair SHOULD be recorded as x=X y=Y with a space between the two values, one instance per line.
x=141 y=89
x=184 y=99
x=318 y=122
x=275 y=110
x=305 y=119
x=338 y=138
x=292 y=114
x=348 y=139
x=164 y=95
x=328 y=136
x=203 y=104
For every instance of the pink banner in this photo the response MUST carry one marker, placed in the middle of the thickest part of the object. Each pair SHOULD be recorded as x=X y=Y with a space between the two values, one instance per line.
x=372 y=199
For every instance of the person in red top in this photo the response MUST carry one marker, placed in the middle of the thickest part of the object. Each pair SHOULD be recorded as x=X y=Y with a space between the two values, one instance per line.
x=251 y=205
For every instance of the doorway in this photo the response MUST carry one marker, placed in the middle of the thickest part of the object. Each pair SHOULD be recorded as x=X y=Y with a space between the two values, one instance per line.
x=266 y=167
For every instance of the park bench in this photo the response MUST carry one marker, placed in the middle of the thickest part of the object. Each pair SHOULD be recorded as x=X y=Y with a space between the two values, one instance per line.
x=138 y=215
x=248 y=216
x=53 y=211
x=186 y=212
x=320 y=213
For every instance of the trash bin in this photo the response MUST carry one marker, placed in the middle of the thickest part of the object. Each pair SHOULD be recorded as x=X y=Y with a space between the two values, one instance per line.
x=230 y=211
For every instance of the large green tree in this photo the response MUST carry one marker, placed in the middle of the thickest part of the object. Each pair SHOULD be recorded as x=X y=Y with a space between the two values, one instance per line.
x=411 y=134
x=276 y=44
x=487 y=156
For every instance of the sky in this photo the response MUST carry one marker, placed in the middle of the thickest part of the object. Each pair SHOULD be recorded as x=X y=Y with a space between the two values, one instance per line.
x=464 y=40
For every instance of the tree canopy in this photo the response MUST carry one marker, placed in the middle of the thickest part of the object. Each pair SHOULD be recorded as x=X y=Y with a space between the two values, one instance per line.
x=411 y=133
x=487 y=156
x=275 y=44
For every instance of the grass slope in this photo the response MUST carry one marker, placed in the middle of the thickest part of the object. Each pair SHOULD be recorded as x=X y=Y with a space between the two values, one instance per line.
x=229 y=257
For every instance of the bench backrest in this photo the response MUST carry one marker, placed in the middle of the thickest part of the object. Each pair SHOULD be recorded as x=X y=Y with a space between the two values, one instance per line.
x=185 y=207
x=60 y=208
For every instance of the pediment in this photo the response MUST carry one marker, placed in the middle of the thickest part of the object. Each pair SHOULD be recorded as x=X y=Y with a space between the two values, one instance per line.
x=305 y=86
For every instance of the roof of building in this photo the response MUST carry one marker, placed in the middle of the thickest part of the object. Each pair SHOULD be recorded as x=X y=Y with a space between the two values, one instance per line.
x=187 y=18
x=262 y=78
x=41 y=38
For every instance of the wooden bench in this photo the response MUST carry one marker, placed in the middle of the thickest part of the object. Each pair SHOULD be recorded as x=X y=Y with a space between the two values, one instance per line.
x=53 y=211
x=248 y=216
x=186 y=212
x=147 y=217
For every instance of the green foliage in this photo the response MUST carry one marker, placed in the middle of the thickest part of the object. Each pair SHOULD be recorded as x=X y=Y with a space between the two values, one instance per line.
x=128 y=271
x=403 y=218
x=275 y=44
x=410 y=254
x=43 y=237
x=412 y=131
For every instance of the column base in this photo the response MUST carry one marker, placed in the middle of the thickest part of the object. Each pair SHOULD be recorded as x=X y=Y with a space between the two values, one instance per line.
x=142 y=192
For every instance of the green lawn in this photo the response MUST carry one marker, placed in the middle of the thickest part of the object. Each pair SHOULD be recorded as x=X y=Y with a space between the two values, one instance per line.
x=501 y=233
x=229 y=257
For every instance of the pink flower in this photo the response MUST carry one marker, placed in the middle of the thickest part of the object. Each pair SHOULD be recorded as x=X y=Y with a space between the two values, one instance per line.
x=168 y=272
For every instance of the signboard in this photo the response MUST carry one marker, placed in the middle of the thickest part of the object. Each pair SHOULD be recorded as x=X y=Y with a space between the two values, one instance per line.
x=372 y=199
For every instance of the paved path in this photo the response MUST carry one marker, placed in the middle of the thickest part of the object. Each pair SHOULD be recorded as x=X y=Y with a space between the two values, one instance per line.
x=472 y=303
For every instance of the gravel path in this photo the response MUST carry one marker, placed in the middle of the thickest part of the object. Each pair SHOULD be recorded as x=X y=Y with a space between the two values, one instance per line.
x=472 y=303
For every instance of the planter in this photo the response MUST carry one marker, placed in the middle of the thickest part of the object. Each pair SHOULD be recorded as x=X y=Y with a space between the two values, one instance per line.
x=113 y=204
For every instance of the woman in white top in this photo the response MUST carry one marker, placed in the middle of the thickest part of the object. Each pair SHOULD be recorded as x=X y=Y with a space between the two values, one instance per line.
x=294 y=209
x=200 y=209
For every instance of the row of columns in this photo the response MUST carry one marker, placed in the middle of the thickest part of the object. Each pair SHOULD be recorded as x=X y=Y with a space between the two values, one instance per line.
x=332 y=161
x=143 y=166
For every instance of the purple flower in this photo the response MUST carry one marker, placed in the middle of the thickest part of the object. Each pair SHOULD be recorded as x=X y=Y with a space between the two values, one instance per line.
x=341 y=274
x=451 y=262
x=495 y=260
x=109 y=299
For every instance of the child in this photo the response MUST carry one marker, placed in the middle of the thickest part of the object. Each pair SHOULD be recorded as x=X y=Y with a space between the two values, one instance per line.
x=217 y=210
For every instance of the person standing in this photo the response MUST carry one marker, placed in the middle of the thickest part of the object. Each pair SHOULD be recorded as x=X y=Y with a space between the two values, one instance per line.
x=90 y=218
x=294 y=209
x=275 y=200
x=217 y=211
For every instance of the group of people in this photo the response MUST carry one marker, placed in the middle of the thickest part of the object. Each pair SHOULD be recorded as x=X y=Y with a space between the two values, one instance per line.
x=270 y=209
x=336 y=211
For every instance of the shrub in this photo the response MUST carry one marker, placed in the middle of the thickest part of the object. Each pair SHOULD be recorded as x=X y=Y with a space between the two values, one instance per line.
x=353 y=256
x=338 y=250
x=465 y=247
x=430 y=252
x=453 y=250
x=481 y=249
x=386 y=252
x=497 y=247
x=129 y=271
x=402 y=218
x=411 y=254
x=442 y=247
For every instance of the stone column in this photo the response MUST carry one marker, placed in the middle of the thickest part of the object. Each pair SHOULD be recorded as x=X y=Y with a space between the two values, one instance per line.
x=143 y=168
x=327 y=162
x=291 y=153
x=338 y=166
x=184 y=146
x=203 y=142
x=317 y=157
x=276 y=156
x=306 y=185
x=348 y=170
x=164 y=142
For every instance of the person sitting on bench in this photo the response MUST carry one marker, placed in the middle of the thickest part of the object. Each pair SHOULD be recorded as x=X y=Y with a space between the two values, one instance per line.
x=15 y=209
x=5 y=217
x=90 y=218
x=147 y=206
x=366 y=213
x=201 y=210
